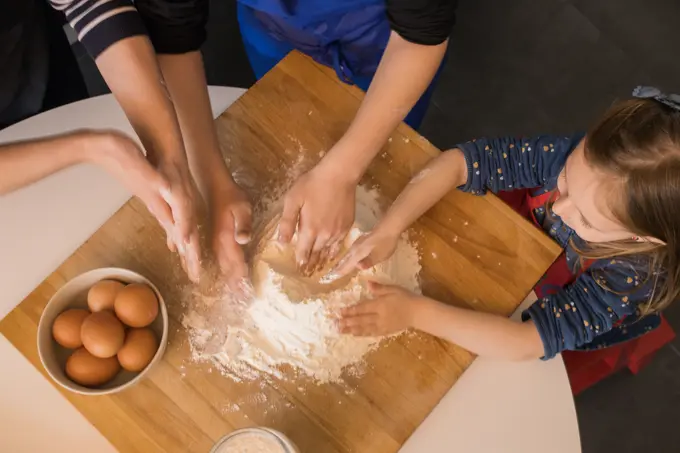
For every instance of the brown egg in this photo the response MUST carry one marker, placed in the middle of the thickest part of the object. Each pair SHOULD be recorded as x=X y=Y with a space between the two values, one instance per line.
x=102 y=295
x=136 y=305
x=86 y=369
x=139 y=348
x=66 y=328
x=102 y=334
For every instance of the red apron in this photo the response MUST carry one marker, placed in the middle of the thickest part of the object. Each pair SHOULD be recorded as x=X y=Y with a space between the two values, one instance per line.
x=558 y=274
x=587 y=368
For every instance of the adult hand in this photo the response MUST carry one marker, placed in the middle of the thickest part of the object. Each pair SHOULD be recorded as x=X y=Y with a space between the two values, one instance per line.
x=182 y=197
x=168 y=192
x=231 y=215
x=320 y=206
x=367 y=251
x=392 y=310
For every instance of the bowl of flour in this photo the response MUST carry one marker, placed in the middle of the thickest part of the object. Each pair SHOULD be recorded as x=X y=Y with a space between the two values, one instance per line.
x=254 y=440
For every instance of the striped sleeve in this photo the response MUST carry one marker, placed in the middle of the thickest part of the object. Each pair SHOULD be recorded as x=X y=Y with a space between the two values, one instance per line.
x=101 y=23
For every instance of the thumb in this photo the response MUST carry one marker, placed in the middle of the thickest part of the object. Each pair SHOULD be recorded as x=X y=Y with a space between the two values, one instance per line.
x=357 y=253
x=243 y=224
x=159 y=209
x=345 y=265
x=151 y=193
x=158 y=206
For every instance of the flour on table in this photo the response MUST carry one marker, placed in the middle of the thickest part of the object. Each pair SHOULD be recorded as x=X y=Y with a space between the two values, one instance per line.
x=291 y=319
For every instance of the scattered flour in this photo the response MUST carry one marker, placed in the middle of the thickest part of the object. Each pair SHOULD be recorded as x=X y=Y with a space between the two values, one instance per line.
x=291 y=319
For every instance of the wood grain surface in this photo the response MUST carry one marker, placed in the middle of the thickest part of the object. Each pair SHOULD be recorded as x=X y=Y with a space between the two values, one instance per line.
x=475 y=252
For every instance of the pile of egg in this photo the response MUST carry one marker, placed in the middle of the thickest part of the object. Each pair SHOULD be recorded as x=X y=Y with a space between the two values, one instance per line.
x=113 y=334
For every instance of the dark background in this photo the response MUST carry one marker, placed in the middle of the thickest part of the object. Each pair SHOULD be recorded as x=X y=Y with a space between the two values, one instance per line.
x=522 y=67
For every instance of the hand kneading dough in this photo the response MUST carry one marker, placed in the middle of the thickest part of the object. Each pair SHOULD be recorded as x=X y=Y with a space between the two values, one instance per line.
x=280 y=258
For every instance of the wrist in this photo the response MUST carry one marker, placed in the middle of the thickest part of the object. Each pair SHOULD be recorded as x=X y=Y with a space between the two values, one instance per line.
x=101 y=147
x=217 y=185
x=210 y=171
x=346 y=162
x=337 y=173
x=422 y=311
x=388 y=228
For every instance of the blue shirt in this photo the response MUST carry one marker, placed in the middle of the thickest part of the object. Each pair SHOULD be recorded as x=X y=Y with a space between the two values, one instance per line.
x=581 y=315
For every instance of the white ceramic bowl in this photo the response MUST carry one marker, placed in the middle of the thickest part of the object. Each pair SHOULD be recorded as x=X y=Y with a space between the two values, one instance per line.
x=74 y=295
x=223 y=445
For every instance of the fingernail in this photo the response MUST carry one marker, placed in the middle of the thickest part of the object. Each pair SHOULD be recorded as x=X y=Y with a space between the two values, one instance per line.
x=242 y=238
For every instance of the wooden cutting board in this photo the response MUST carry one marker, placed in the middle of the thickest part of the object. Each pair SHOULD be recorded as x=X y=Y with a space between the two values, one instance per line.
x=476 y=253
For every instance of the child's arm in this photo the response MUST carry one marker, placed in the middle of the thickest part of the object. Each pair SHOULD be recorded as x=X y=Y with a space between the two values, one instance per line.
x=567 y=320
x=483 y=334
x=496 y=164
x=393 y=309
x=441 y=175
x=475 y=167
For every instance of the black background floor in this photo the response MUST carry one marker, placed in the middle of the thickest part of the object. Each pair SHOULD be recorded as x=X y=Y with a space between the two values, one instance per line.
x=522 y=67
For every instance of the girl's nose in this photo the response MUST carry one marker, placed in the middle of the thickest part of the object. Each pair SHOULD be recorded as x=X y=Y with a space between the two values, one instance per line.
x=563 y=207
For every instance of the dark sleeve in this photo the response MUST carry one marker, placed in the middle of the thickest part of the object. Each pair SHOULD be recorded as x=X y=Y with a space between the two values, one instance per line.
x=174 y=26
x=100 y=24
x=589 y=307
x=515 y=163
x=427 y=22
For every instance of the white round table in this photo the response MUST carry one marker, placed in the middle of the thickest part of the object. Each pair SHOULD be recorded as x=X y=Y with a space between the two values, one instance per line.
x=495 y=406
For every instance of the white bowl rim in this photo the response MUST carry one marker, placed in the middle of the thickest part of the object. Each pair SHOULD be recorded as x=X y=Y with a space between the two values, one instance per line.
x=285 y=443
x=114 y=273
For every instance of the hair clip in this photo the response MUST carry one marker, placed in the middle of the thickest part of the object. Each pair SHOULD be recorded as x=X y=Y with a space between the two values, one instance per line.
x=670 y=100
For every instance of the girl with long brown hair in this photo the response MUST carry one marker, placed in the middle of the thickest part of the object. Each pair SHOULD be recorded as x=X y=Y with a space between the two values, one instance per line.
x=610 y=198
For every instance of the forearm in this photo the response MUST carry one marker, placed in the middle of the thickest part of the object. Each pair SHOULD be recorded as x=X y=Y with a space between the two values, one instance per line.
x=483 y=334
x=24 y=163
x=404 y=73
x=130 y=69
x=185 y=79
x=436 y=179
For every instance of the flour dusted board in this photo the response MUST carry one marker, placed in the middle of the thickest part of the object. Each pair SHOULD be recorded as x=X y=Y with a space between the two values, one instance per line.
x=476 y=252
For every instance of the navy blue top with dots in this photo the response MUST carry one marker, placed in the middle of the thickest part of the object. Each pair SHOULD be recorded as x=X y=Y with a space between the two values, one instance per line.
x=582 y=315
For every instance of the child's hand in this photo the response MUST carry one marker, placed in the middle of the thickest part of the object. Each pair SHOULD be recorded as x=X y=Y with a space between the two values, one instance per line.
x=392 y=310
x=369 y=250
